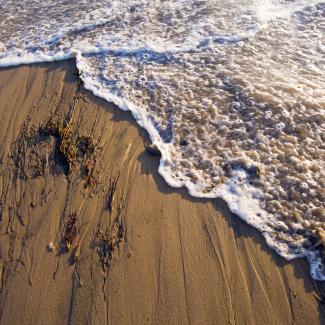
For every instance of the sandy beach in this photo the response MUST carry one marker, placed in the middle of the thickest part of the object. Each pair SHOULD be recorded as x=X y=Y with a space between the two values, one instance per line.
x=106 y=240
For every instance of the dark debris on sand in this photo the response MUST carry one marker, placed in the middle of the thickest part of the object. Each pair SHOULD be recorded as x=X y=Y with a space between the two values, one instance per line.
x=71 y=149
x=71 y=231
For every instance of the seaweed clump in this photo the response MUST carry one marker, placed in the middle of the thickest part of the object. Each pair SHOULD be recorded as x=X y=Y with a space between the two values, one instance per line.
x=71 y=231
x=71 y=147
x=109 y=241
x=66 y=151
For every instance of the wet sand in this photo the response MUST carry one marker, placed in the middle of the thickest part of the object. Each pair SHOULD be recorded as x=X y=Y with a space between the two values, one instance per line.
x=171 y=259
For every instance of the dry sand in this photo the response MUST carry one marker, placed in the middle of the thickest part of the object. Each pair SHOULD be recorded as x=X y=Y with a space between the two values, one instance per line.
x=180 y=260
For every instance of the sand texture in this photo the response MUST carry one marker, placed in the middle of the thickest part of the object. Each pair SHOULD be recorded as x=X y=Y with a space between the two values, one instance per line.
x=139 y=252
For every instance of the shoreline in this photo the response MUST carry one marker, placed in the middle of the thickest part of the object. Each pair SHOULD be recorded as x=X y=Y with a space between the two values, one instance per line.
x=186 y=260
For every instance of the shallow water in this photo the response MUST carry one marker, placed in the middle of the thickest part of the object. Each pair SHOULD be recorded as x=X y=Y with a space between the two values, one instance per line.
x=232 y=93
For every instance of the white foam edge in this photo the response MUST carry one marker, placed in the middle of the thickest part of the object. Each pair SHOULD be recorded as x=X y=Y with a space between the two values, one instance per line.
x=20 y=57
